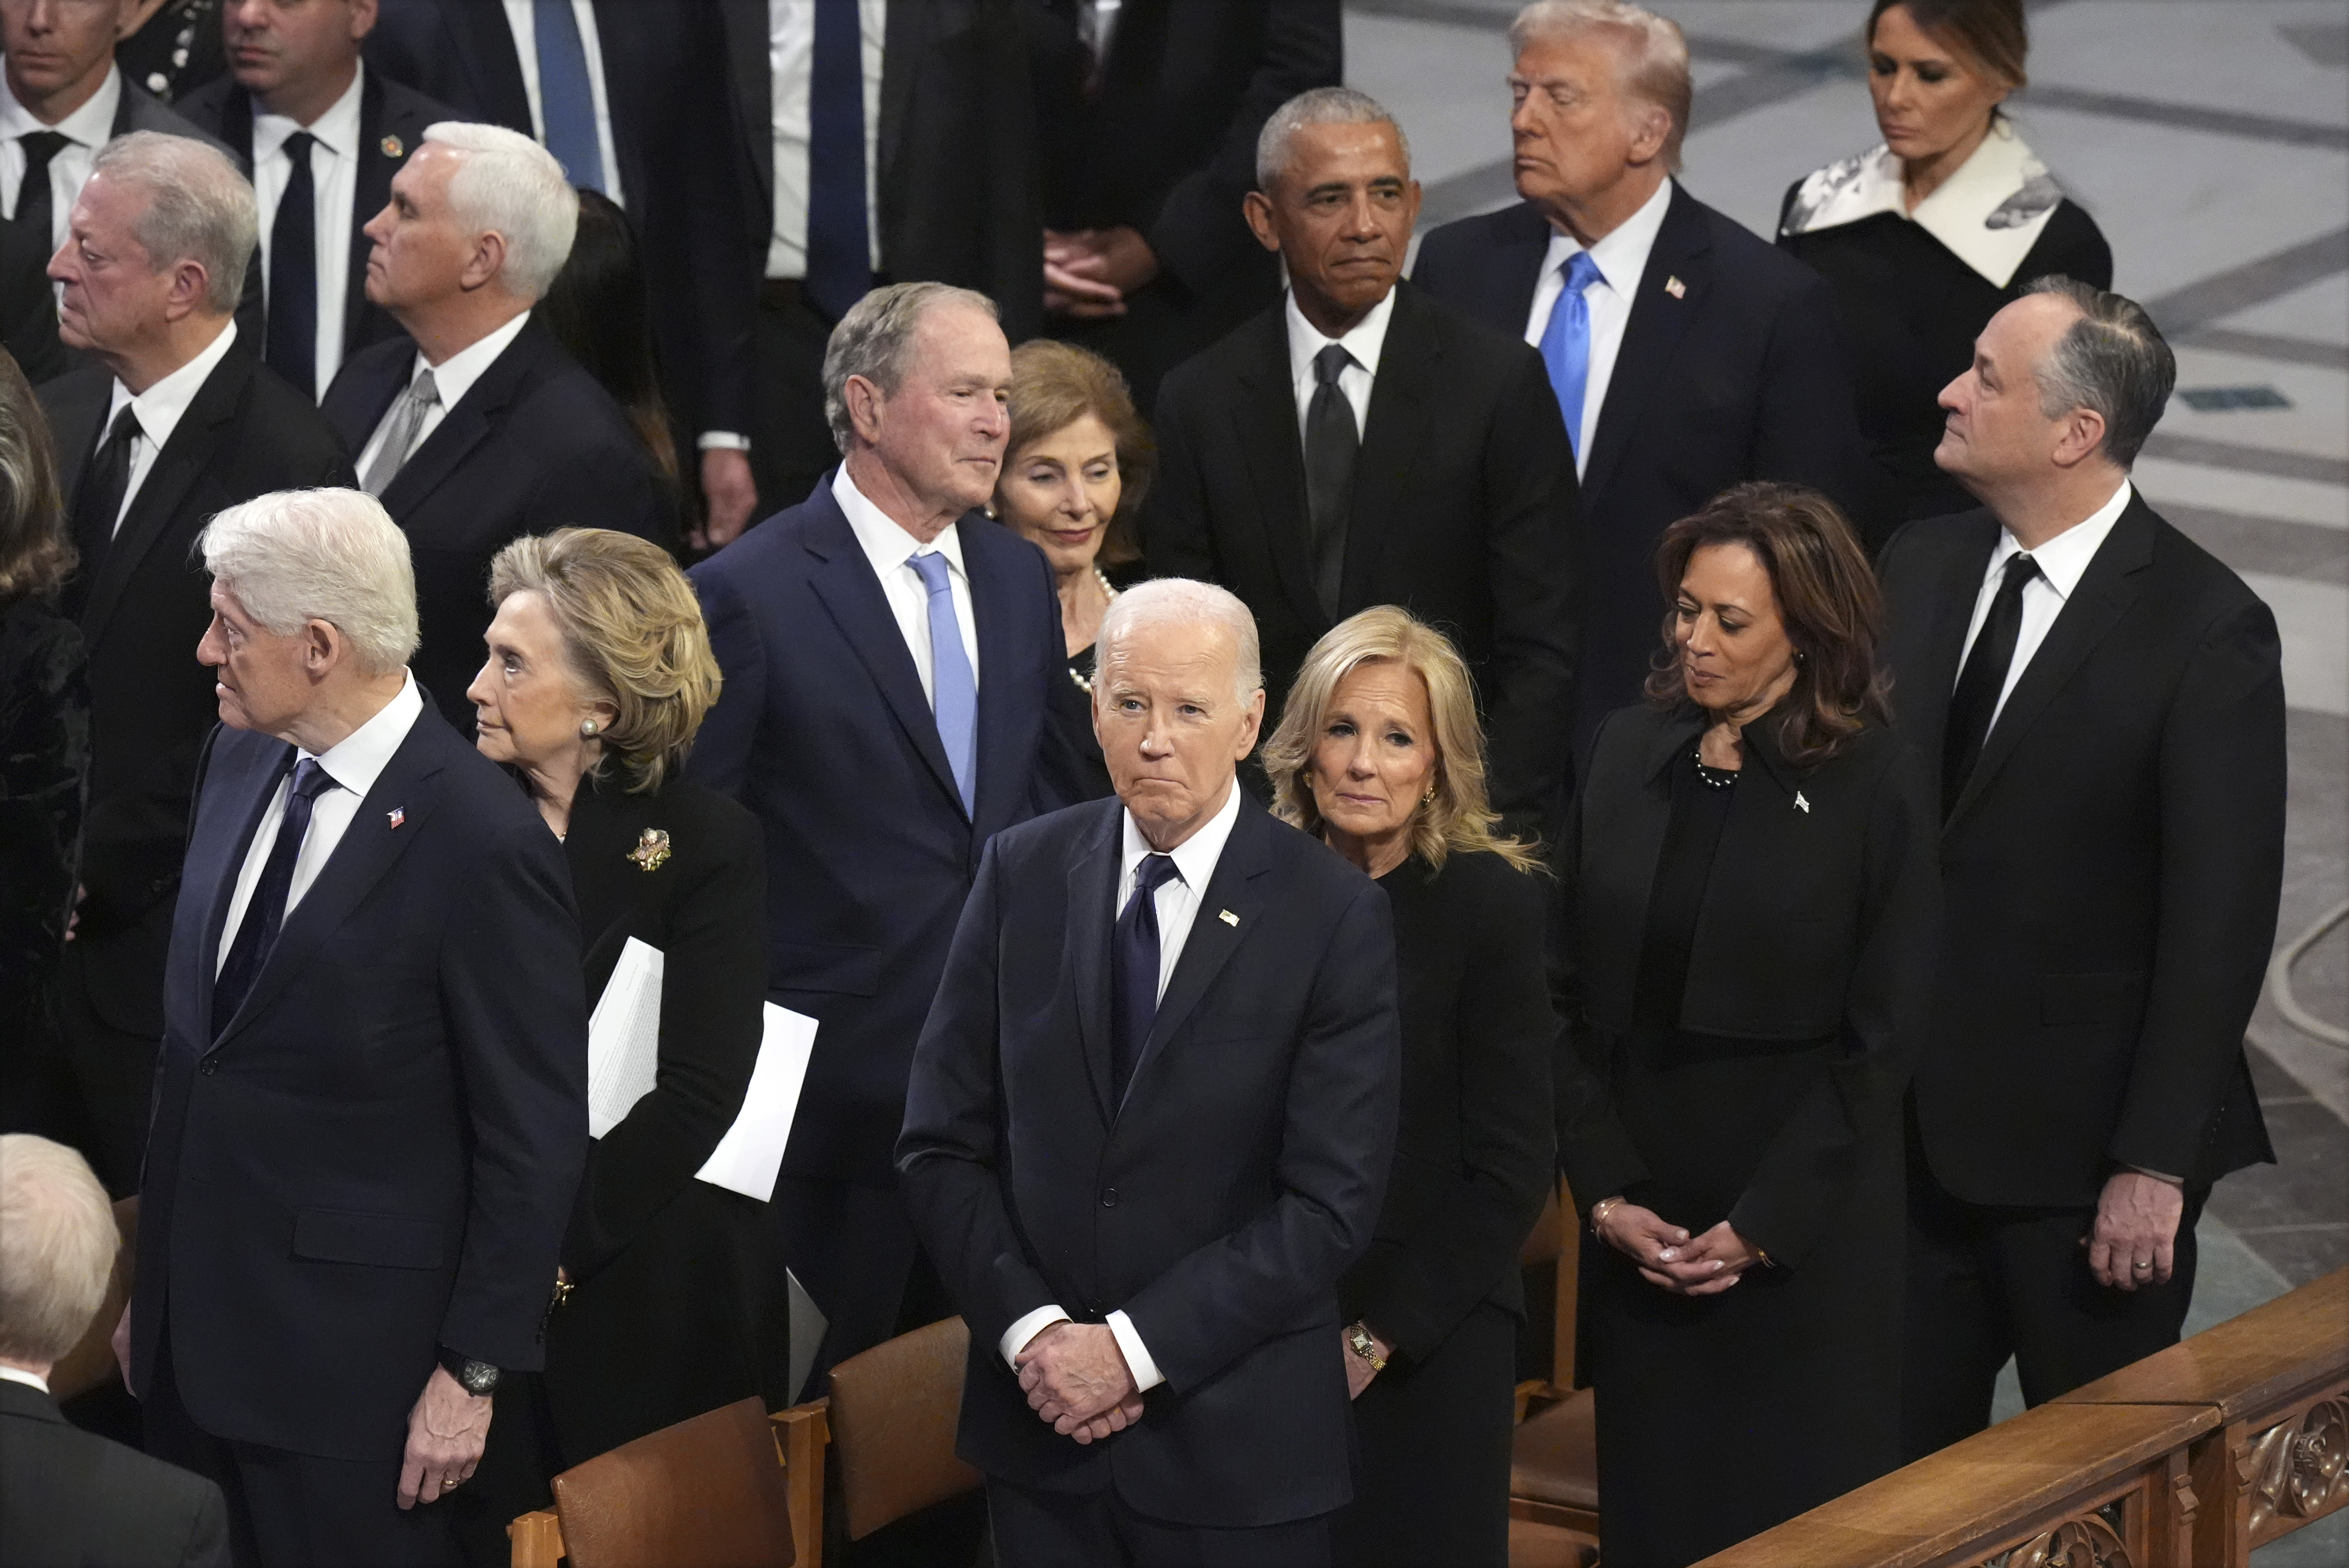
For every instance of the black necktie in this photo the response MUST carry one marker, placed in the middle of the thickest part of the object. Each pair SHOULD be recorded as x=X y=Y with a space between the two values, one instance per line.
x=1332 y=441
x=263 y=917
x=293 y=338
x=839 y=241
x=1133 y=972
x=98 y=500
x=1975 y=702
x=34 y=209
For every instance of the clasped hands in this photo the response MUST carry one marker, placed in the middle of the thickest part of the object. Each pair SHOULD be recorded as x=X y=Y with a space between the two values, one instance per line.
x=1668 y=1258
x=1089 y=273
x=1077 y=1380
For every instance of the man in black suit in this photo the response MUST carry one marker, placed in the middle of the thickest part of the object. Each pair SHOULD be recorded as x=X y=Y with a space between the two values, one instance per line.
x=2102 y=702
x=1149 y=112
x=629 y=98
x=1431 y=472
x=371 y=1103
x=67 y=1496
x=175 y=418
x=483 y=428
x=298 y=87
x=1150 y=1124
x=1687 y=354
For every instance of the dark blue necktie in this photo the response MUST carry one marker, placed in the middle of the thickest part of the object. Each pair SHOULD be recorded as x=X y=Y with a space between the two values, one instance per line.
x=839 y=241
x=292 y=346
x=1133 y=972
x=266 y=912
x=566 y=100
x=1566 y=343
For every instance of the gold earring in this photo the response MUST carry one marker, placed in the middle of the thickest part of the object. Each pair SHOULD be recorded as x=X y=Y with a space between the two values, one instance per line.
x=1429 y=798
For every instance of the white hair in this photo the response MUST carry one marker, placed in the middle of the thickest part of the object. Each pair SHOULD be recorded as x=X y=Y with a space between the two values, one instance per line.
x=199 y=209
x=1181 y=601
x=1652 y=50
x=333 y=555
x=511 y=184
x=58 y=1241
x=1318 y=106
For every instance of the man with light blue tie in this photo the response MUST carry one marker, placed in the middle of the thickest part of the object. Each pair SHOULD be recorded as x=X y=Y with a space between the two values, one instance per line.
x=889 y=654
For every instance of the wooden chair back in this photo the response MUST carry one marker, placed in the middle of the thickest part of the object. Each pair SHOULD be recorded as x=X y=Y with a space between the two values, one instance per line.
x=91 y=1363
x=894 y=1410
x=705 y=1493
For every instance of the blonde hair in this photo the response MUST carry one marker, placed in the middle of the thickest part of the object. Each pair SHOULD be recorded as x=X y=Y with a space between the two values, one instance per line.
x=1054 y=385
x=1461 y=817
x=634 y=632
x=58 y=1241
x=1651 y=51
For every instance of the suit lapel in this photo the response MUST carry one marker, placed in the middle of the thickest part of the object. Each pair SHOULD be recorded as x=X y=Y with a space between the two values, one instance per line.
x=236 y=121
x=1087 y=929
x=74 y=424
x=466 y=426
x=995 y=605
x=1410 y=369
x=1212 y=939
x=1683 y=251
x=222 y=863
x=1922 y=693
x=1517 y=265
x=1264 y=423
x=485 y=50
x=173 y=475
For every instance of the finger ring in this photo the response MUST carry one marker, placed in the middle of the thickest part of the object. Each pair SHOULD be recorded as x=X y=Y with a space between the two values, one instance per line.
x=2145 y=1268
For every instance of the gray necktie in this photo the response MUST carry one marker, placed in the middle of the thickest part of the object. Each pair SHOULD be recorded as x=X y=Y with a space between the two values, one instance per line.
x=399 y=431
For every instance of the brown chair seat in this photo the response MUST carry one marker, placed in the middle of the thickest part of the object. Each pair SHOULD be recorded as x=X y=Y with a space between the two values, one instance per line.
x=1533 y=1545
x=894 y=1412
x=1554 y=1457
x=705 y=1493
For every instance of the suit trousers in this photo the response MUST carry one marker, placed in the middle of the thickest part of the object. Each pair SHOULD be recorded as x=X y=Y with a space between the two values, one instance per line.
x=792 y=445
x=1031 y=1527
x=112 y=1069
x=1986 y=1282
x=852 y=1249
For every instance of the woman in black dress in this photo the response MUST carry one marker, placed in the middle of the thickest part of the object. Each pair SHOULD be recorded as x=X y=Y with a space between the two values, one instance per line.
x=599 y=672
x=1926 y=235
x=1751 y=877
x=1378 y=754
x=1073 y=476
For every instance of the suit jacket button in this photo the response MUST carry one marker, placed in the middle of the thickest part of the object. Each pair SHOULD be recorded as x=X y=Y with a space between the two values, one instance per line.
x=209 y=1068
x=1109 y=1197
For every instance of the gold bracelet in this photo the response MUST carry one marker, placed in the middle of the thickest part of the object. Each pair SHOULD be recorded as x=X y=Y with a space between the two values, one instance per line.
x=1359 y=1340
x=1599 y=1213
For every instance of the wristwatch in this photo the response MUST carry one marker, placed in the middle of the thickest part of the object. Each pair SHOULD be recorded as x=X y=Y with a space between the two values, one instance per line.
x=1357 y=1339
x=478 y=1378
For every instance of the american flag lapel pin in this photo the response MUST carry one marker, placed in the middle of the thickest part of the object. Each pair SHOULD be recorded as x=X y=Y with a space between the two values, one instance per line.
x=395 y=816
x=1675 y=287
x=1228 y=917
x=1801 y=805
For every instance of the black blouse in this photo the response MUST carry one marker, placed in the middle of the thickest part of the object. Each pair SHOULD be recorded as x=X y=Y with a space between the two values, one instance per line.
x=44 y=769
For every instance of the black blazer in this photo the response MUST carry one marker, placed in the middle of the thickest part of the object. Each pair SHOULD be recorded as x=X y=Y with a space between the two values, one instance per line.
x=141 y=612
x=1738 y=375
x=1464 y=511
x=377 y=1156
x=536 y=444
x=1475 y=1152
x=680 y=178
x=392 y=121
x=1216 y=1207
x=1817 y=924
x=2112 y=868
x=69 y=1497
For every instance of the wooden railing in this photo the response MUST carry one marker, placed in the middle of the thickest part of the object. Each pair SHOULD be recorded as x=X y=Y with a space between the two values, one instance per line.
x=2190 y=1459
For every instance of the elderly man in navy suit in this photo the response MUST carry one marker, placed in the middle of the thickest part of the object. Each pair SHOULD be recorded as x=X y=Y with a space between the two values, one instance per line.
x=889 y=653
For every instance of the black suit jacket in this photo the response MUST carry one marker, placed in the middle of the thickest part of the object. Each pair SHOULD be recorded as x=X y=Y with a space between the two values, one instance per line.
x=1739 y=374
x=1217 y=1207
x=2112 y=867
x=142 y=607
x=377 y=1156
x=69 y=1497
x=1464 y=511
x=680 y=178
x=536 y=444
x=392 y=121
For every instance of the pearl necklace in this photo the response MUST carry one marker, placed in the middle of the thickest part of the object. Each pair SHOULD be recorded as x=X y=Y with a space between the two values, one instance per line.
x=1084 y=683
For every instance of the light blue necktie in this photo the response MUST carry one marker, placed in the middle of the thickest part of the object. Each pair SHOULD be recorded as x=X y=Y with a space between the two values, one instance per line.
x=1566 y=343
x=954 y=690
x=566 y=101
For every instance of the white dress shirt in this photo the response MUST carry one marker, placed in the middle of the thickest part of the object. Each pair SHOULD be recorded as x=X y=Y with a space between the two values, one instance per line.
x=29 y=1379
x=1621 y=257
x=1176 y=903
x=892 y=551
x=334 y=186
x=524 y=25
x=452 y=378
x=354 y=762
x=160 y=409
x=1364 y=341
x=88 y=128
x=2062 y=562
x=791 y=70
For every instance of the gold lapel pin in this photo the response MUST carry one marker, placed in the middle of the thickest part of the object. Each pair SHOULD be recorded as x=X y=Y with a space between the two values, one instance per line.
x=1228 y=918
x=651 y=848
x=392 y=147
x=1675 y=287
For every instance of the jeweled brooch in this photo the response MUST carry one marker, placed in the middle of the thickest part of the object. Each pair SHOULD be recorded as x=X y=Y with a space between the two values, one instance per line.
x=652 y=849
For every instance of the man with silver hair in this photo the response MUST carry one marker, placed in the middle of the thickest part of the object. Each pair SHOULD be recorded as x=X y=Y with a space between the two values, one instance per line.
x=175 y=418
x=1151 y=1120
x=370 y=1108
x=483 y=428
x=1687 y=354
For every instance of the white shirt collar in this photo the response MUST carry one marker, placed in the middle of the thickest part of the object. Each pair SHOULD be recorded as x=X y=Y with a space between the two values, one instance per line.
x=1195 y=857
x=2064 y=559
x=92 y=124
x=162 y=406
x=885 y=544
x=29 y=1379
x=1621 y=254
x=1363 y=340
x=455 y=375
x=357 y=760
x=338 y=130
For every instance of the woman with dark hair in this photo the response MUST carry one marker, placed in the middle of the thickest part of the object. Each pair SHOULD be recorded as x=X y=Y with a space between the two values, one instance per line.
x=1927 y=235
x=1751 y=884
x=599 y=309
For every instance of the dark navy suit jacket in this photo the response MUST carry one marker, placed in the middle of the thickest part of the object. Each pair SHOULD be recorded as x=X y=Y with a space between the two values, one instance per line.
x=1217 y=1207
x=823 y=730
x=377 y=1154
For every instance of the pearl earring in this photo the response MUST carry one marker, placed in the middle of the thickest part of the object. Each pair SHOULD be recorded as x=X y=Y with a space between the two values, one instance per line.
x=1429 y=798
x=588 y=727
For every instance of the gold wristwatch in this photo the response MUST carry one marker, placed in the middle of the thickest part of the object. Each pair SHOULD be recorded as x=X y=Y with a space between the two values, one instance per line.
x=1358 y=1338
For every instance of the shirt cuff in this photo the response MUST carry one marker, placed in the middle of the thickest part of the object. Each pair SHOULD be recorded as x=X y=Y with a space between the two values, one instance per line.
x=1015 y=1338
x=1146 y=1374
x=2157 y=1175
x=709 y=439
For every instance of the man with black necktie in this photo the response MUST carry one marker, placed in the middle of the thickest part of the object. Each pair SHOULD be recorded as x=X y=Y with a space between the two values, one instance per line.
x=175 y=418
x=2102 y=703
x=324 y=137
x=1361 y=444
